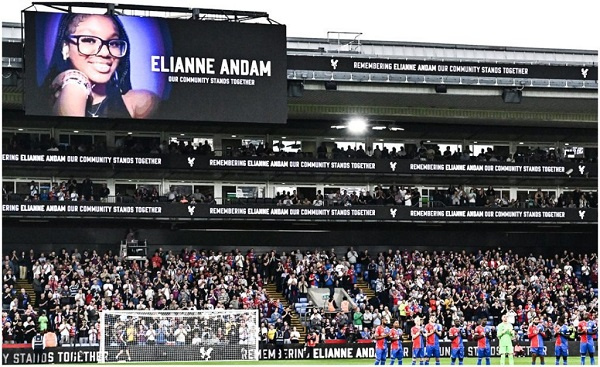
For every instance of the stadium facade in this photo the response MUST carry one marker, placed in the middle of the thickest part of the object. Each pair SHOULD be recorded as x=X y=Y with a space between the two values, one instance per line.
x=532 y=111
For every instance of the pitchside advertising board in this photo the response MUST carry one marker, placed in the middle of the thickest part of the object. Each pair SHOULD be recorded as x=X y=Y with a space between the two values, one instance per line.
x=367 y=350
x=256 y=164
x=156 y=353
x=23 y=356
x=198 y=70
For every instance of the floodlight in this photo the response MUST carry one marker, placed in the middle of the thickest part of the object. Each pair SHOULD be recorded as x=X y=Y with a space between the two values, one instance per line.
x=357 y=125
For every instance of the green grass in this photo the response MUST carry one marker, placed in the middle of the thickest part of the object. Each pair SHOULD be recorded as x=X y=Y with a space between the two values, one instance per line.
x=573 y=360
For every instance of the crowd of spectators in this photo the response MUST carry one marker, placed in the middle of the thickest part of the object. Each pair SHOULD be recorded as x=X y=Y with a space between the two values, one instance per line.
x=26 y=142
x=87 y=190
x=422 y=151
x=432 y=152
x=394 y=195
x=69 y=190
x=490 y=197
x=71 y=287
x=454 y=195
x=123 y=145
x=130 y=145
x=446 y=284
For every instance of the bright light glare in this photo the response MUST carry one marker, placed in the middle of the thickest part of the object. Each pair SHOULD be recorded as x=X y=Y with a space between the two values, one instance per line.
x=357 y=125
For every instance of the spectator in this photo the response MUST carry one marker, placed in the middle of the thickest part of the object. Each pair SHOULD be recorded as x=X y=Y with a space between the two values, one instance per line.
x=295 y=336
x=104 y=193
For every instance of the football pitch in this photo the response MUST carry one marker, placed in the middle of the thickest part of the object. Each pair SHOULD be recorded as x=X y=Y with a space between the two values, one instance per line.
x=550 y=360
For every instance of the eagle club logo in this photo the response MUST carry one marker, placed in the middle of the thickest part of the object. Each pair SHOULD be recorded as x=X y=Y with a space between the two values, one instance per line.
x=191 y=209
x=393 y=212
x=584 y=72
x=393 y=166
x=581 y=214
x=205 y=353
x=191 y=161
x=334 y=63
x=581 y=169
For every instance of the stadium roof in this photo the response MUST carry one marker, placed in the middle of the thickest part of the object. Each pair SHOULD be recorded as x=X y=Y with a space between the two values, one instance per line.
x=468 y=100
x=437 y=51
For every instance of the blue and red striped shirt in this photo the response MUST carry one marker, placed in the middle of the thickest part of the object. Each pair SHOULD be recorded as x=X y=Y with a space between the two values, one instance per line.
x=561 y=333
x=535 y=334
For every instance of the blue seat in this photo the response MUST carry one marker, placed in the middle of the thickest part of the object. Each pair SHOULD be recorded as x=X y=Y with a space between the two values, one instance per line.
x=302 y=300
x=300 y=305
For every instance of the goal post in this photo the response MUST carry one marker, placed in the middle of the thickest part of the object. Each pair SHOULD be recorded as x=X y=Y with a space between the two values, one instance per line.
x=182 y=335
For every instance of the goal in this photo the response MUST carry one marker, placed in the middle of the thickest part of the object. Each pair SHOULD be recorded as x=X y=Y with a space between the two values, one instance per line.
x=148 y=336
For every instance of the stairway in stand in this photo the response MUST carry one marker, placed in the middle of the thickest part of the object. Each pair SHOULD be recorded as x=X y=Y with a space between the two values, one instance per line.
x=273 y=294
x=24 y=283
x=371 y=293
x=365 y=288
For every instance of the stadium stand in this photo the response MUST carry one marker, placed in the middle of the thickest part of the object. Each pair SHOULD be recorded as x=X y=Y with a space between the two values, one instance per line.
x=69 y=289
x=454 y=195
x=217 y=199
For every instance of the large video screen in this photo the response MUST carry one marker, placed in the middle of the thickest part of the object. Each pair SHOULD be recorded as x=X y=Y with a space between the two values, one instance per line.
x=88 y=65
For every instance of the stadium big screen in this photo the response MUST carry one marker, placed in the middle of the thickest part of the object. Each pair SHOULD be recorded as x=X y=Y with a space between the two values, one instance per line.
x=198 y=70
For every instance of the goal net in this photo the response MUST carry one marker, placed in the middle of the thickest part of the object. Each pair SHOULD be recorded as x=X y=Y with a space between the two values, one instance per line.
x=207 y=335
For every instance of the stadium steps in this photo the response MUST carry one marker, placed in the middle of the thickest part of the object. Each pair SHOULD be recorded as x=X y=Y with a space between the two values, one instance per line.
x=24 y=283
x=365 y=288
x=370 y=293
x=273 y=294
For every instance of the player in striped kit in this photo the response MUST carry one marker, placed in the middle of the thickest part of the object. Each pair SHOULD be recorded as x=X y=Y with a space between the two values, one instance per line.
x=561 y=348
x=386 y=345
x=586 y=329
x=482 y=332
x=536 y=334
x=380 y=347
x=418 y=342
x=457 y=348
x=433 y=332
x=396 y=350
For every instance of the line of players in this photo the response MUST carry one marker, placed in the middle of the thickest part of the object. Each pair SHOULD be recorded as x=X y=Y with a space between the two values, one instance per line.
x=425 y=341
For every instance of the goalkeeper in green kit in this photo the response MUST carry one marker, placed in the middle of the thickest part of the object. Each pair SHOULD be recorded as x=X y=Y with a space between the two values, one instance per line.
x=505 y=335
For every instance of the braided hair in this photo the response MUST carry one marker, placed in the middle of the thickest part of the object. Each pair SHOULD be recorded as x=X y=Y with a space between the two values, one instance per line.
x=120 y=82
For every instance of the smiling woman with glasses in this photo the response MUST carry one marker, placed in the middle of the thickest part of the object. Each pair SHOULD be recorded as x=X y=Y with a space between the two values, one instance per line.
x=92 y=45
x=90 y=70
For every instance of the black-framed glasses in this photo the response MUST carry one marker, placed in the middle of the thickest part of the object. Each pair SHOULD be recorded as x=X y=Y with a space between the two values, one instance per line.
x=91 y=45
